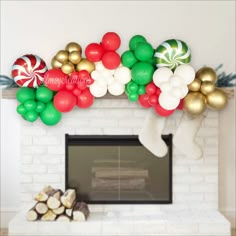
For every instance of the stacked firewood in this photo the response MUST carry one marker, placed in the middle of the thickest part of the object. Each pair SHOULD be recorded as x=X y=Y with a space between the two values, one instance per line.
x=54 y=205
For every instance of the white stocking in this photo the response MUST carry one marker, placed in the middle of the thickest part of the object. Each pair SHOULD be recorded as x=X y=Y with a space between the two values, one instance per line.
x=150 y=135
x=184 y=138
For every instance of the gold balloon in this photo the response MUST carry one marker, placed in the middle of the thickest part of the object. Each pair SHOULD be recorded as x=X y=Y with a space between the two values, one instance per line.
x=207 y=87
x=75 y=57
x=217 y=99
x=195 y=85
x=68 y=68
x=55 y=63
x=62 y=56
x=72 y=46
x=85 y=65
x=195 y=103
x=206 y=74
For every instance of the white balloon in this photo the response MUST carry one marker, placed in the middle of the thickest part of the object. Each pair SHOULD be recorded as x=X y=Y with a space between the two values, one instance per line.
x=98 y=90
x=106 y=73
x=99 y=65
x=110 y=80
x=176 y=81
x=123 y=74
x=176 y=92
x=186 y=72
x=96 y=75
x=165 y=87
x=168 y=102
x=116 y=88
x=184 y=89
x=162 y=75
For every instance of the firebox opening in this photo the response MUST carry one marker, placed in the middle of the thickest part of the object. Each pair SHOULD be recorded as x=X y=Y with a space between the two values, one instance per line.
x=117 y=169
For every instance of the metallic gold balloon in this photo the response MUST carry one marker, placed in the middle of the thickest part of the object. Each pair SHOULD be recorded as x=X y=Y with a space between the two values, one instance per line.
x=207 y=87
x=206 y=74
x=85 y=64
x=62 y=56
x=195 y=103
x=72 y=46
x=195 y=85
x=68 y=68
x=75 y=57
x=55 y=63
x=217 y=99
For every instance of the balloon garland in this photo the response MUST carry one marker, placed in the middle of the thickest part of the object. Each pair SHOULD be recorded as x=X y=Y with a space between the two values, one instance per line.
x=161 y=79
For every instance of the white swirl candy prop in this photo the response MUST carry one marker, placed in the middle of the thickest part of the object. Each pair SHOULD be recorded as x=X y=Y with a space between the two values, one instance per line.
x=109 y=80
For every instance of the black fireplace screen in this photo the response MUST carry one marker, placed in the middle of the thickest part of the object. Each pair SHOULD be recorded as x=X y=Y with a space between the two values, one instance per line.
x=117 y=169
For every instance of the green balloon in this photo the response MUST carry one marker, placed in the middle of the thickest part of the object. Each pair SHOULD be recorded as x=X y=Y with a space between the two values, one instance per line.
x=144 y=51
x=31 y=116
x=44 y=94
x=24 y=94
x=128 y=59
x=133 y=97
x=50 y=116
x=135 y=40
x=40 y=107
x=132 y=87
x=30 y=105
x=142 y=73
x=141 y=89
x=21 y=109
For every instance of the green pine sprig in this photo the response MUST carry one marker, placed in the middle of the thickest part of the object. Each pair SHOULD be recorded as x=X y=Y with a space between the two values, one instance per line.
x=7 y=82
x=225 y=80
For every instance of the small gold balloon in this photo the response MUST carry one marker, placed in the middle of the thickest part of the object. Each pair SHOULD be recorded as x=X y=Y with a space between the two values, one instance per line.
x=68 y=68
x=195 y=103
x=72 y=46
x=206 y=74
x=85 y=64
x=217 y=99
x=195 y=85
x=207 y=87
x=62 y=56
x=75 y=57
x=55 y=63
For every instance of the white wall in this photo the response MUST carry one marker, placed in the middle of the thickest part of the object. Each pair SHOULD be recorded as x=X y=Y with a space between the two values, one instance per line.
x=45 y=27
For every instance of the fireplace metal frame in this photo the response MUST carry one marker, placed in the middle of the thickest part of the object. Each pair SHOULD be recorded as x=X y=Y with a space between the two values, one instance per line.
x=124 y=140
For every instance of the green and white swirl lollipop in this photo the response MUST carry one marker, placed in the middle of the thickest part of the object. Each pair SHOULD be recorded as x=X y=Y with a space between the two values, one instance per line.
x=172 y=53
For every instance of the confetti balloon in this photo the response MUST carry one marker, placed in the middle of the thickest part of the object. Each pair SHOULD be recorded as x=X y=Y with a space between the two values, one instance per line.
x=172 y=53
x=28 y=71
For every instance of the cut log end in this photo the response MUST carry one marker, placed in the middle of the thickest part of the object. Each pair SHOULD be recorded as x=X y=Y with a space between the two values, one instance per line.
x=63 y=218
x=49 y=216
x=32 y=215
x=68 y=198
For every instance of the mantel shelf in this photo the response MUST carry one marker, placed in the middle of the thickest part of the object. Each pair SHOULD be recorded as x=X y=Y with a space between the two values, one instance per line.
x=11 y=94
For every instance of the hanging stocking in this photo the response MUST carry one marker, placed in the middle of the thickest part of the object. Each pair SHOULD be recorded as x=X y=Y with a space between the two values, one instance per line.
x=184 y=138
x=150 y=135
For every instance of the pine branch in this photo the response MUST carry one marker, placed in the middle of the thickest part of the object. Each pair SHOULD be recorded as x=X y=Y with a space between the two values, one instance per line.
x=7 y=82
x=225 y=80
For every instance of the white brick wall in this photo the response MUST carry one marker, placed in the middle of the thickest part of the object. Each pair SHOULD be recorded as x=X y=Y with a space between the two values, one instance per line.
x=195 y=182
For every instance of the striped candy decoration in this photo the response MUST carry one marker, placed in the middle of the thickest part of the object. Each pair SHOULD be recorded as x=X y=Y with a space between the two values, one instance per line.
x=28 y=71
x=172 y=53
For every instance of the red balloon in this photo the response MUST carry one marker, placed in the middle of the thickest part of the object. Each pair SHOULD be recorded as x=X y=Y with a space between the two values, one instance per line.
x=70 y=86
x=111 y=41
x=111 y=60
x=77 y=92
x=153 y=100
x=64 y=101
x=143 y=100
x=82 y=85
x=55 y=79
x=181 y=105
x=84 y=75
x=158 y=91
x=89 y=81
x=85 y=99
x=151 y=89
x=161 y=111
x=74 y=77
x=94 y=52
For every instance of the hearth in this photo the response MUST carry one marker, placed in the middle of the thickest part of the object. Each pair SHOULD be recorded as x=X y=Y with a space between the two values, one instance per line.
x=117 y=169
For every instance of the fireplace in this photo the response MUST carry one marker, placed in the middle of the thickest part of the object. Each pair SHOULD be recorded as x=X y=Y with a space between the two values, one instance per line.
x=113 y=169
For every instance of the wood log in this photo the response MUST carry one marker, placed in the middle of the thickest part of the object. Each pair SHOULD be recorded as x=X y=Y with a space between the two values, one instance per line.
x=69 y=211
x=32 y=214
x=41 y=207
x=58 y=211
x=80 y=211
x=53 y=201
x=43 y=195
x=68 y=198
x=63 y=218
x=49 y=216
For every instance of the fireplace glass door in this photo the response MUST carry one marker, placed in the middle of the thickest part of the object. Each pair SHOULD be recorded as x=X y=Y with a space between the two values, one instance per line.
x=117 y=169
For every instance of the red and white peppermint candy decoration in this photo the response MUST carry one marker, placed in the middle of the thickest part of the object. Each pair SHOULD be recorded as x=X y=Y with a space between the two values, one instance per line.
x=28 y=71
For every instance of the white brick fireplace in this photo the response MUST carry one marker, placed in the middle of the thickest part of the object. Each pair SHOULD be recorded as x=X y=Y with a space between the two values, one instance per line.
x=195 y=182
